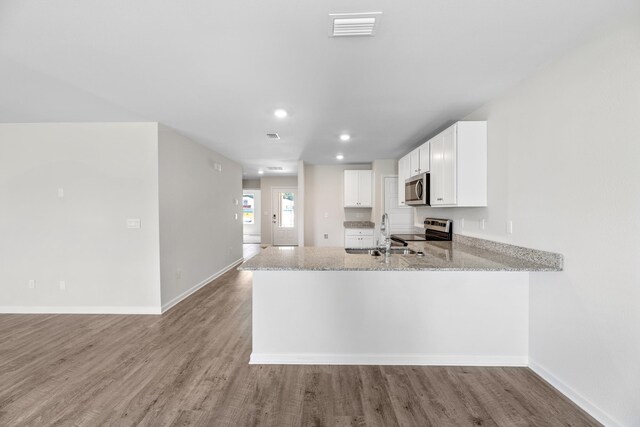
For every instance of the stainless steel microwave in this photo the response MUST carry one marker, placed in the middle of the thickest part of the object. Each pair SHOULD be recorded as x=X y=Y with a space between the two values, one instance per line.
x=416 y=190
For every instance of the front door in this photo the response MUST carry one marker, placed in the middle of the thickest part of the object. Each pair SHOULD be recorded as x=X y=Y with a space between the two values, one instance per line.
x=284 y=219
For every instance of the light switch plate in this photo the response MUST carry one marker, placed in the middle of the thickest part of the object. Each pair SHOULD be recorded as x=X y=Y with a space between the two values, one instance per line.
x=61 y=192
x=133 y=223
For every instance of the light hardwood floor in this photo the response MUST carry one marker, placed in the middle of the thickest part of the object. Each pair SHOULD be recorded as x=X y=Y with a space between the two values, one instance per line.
x=189 y=367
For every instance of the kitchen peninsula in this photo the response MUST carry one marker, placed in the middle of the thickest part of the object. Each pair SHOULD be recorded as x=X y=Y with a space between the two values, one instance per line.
x=463 y=303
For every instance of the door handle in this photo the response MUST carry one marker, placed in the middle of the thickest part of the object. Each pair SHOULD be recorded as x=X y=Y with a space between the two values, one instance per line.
x=419 y=190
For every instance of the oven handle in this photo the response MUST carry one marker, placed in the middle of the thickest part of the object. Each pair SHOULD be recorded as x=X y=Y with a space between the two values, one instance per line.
x=419 y=190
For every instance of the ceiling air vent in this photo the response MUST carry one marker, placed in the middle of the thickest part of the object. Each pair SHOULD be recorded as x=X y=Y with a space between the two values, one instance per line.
x=273 y=136
x=274 y=168
x=353 y=24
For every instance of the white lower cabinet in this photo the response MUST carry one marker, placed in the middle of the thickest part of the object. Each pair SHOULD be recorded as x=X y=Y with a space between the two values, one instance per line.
x=358 y=238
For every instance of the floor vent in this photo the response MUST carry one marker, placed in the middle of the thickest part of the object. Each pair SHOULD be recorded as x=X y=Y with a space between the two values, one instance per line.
x=353 y=24
x=273 y=136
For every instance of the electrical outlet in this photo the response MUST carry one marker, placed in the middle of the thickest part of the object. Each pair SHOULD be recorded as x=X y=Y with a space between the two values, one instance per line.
x=235 y=216
x=61 y=192
x=32 y=284
x=133 y=223
x=63 y=285
x=509 y=227
x=461 y=223
x=326 y=236
x=482 y=224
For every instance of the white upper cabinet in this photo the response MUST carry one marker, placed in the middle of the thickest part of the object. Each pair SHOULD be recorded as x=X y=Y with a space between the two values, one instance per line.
x=419 y=160
x=459 y=166
x=358 y=189
x=404 y=173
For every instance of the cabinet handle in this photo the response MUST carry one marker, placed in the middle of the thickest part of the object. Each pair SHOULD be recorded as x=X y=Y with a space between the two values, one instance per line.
x=439 y=198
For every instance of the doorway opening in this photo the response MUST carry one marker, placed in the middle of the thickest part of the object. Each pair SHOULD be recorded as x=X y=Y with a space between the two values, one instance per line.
x=251 y=227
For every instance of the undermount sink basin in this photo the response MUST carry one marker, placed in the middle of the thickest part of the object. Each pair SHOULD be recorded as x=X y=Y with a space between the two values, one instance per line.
x=402 y=251
x=379 y=252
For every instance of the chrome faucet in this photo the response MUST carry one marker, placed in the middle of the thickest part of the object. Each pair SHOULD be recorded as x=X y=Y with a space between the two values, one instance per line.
x=385 y=230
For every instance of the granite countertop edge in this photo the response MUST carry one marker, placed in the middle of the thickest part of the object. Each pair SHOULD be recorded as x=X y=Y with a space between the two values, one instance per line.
x=488 y=269
x=439 y=256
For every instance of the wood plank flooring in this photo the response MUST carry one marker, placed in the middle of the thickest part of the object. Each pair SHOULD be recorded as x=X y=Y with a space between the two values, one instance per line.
x=189 y=367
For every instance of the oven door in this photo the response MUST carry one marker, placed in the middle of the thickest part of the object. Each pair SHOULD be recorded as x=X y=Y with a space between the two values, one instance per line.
x=416 y=190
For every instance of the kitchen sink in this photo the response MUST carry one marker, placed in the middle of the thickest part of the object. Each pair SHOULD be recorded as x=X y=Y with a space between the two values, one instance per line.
x=402 y=251
x=379 y=252
x=360 y=251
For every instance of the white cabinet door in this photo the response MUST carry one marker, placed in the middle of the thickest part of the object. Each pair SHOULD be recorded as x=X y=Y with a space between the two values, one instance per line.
x=449 y=173
x=423 y=157
x=404 y=168
x=435 y=186
x=365 y=189
x=366 y=242
x=351 y=241
x=358 y=189
x=351 y=188
x=414 y=159
x=443 y=168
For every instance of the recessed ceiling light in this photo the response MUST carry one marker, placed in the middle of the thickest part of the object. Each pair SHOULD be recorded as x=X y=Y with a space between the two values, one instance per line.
x=345 y=137
x=339 y=157
x=280 y=113
x=260 y=172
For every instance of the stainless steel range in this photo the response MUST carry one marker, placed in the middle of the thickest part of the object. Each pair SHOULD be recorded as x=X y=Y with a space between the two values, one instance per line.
x=438 y=229
x=434 y=229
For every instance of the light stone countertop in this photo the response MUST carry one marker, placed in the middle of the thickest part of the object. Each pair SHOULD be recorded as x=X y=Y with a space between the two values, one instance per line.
x=359 y=224
x=439 y=256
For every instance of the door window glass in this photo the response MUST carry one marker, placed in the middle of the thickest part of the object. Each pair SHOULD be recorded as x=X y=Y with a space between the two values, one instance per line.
x=287 y=214
x=248 y=209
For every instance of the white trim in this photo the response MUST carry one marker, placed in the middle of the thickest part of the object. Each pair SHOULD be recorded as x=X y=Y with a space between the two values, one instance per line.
x=384 y=359
x=78 y=310
x=166 y=307
x=573 y=395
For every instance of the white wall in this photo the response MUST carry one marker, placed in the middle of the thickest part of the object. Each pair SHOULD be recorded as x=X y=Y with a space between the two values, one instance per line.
x=564 y=156
x=390 y=317
x=199 y=234
x=251 y=183
x=324 y=204
x=266 y=184
x=108 y=172
x=301 y=203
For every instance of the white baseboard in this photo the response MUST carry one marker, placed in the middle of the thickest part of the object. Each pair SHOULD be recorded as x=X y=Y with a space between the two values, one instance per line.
x=574 y=396
x=384 y=359
x=166 y=307
x=78 y=310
